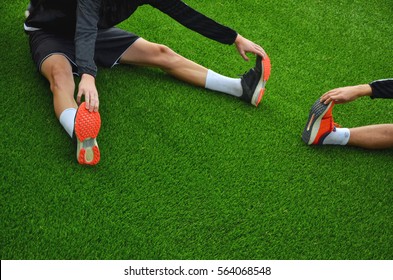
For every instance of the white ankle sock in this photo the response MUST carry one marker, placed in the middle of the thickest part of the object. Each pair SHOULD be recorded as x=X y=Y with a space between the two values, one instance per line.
x=217 y=82
x=339 y=136
x=67 y=118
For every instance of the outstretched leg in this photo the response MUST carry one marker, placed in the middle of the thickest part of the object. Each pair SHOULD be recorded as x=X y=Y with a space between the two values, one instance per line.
x=378 y=136
x=321 y=130
x=144 y=53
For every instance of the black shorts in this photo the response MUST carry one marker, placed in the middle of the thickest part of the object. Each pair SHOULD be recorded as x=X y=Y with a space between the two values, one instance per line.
x=111 y=43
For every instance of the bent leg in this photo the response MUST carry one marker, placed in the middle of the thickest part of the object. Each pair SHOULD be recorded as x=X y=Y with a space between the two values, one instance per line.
x=58 y=71
x=82 y=124
x=372 y=136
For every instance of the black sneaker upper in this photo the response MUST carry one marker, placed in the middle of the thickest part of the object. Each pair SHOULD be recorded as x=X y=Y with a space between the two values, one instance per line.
x=250 y=80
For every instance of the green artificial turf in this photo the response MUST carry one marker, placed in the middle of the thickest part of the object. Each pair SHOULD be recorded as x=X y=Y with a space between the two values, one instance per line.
x=186 y=173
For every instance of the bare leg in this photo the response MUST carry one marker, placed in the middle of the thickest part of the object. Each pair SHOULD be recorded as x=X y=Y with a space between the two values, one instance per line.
x=145 y=53
x=372 y=136
x=57 y=69
x=250 y=87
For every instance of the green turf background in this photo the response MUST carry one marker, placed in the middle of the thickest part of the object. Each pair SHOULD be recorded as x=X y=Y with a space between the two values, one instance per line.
x=190 y=174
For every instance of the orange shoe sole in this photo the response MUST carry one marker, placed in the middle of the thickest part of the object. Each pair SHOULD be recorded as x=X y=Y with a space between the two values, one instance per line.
x=319 y=123
x=87 y=127
x=266 y=68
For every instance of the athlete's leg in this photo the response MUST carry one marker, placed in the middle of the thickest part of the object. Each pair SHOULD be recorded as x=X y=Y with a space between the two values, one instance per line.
x=53 y=55
x=86 y=125
x=321 y=130
x=372 y=137
x=58 y=71
x=250 y=87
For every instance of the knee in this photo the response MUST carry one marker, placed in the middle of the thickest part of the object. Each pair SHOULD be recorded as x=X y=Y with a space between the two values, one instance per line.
x=61 y=79
x=58 y=71
x=167 y=58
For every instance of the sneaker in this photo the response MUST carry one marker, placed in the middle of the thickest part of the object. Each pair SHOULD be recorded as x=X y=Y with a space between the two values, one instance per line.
x=86 y=129
x=254 y=81
x=320 y=123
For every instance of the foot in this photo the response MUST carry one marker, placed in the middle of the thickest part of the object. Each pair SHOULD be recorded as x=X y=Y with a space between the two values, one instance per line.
x=320 y=123
x=87 y=126
x=254 y=81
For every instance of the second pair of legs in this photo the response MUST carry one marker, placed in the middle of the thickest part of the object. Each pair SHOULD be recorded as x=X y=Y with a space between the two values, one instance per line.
x=322 y=130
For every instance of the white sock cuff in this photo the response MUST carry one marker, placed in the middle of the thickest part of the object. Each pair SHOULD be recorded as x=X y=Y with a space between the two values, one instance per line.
x=346 y=134
x=218 y=82
x=67 y=119
x=209 y=75
x=339 y=136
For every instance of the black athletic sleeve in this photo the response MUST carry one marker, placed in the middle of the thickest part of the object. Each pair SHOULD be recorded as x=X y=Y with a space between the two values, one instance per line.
x=194 y=20
x=85 y=35
x=382 y=88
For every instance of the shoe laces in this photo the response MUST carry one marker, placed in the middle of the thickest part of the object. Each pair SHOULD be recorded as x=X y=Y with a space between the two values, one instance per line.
x=249 y=72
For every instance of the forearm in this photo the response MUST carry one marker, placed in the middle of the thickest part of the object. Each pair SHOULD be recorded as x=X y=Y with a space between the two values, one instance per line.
x=363 y=90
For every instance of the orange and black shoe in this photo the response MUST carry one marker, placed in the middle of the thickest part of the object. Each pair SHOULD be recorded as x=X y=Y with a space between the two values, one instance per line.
x=254 y=81
x=86 y=129
x=320 y=123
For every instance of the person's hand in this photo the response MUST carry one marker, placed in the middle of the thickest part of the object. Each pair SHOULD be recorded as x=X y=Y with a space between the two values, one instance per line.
x=245 y=46
x=346 y=94
x=87 y=87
